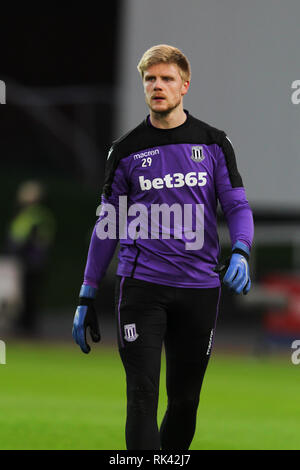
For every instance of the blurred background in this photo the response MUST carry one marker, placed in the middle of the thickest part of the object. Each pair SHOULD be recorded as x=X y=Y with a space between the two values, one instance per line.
x=72 y=87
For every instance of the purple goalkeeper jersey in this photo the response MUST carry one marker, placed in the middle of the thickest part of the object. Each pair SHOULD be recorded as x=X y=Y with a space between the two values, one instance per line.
x=159 y=201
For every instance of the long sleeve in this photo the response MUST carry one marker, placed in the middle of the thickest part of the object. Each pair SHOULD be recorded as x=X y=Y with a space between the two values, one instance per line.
x=232 y=196
x=101 y=250
x=99 y=256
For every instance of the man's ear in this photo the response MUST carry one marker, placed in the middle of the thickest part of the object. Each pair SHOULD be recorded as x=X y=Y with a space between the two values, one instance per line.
x=185 y=88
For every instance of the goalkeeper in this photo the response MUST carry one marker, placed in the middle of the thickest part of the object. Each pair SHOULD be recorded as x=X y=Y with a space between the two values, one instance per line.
x=167 y=288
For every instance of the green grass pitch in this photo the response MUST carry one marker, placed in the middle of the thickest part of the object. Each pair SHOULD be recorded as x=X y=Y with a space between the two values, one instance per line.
x=54 y=397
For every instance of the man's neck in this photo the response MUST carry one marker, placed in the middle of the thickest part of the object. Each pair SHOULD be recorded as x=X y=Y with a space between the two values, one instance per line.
x=174 y=119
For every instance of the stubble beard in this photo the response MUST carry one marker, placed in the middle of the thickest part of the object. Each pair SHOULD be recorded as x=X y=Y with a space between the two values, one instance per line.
x=164 y=113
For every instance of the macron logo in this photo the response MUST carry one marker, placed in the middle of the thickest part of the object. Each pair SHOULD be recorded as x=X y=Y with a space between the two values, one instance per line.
x=146 y=154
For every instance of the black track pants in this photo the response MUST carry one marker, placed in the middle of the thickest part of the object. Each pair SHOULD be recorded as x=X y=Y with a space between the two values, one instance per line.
x=183 y=319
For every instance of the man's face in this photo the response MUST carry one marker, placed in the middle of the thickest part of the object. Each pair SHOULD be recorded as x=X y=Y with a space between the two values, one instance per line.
x=164 y=88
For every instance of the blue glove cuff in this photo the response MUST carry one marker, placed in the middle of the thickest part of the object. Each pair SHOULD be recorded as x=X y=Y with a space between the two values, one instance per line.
x=87 y=291
x=242 y=249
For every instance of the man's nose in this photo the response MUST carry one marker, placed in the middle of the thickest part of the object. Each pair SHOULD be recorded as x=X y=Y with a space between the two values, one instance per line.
x=157 y=85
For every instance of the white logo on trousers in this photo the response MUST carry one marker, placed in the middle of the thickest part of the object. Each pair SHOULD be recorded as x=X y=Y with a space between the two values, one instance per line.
x=130 y=332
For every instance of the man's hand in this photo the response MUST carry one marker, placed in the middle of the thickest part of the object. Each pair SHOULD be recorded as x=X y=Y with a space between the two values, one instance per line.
x=236 y=277
x=86 y=316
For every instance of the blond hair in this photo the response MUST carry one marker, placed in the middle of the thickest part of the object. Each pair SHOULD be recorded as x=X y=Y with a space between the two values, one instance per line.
x=162 y=53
